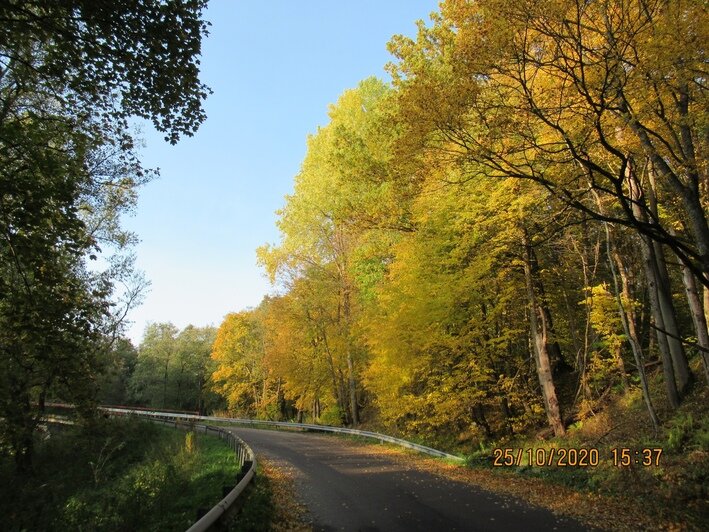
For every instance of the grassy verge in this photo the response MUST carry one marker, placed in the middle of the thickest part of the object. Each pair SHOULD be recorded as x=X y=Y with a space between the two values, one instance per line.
x=119 y=475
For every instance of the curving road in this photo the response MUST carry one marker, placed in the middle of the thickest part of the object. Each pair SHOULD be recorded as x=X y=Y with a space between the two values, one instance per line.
x=348 y=486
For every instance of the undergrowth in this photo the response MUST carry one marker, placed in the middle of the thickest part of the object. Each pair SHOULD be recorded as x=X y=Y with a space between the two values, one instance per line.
x=675 y=490
x=116 y=475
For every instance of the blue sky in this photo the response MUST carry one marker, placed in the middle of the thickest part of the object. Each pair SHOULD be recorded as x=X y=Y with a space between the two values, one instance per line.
x=274 y=68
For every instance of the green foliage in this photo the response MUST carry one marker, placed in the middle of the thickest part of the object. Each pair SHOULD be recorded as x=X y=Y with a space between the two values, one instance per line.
x=680 y=433
x=72 y=75
x=173 y=367
x=148 y=479
x=144 y=56
x=332 y=416
x=118 y=362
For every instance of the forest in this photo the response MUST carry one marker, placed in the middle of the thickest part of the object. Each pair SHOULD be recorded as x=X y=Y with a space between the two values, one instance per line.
x=507 y=235
x=506 y=240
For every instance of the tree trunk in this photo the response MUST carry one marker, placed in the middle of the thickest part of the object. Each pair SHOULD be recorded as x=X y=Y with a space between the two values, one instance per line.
x=507 y=414
x=680 y=365
x=627 y=317
x=651 y=274
x=164 y=384
x=698 y=318
x=352 y=383
x=477 y=412
x=653 y=280
x=539 y=330
x=354 y=407
x=706 y=305
x=337 y=389
x=200 y=396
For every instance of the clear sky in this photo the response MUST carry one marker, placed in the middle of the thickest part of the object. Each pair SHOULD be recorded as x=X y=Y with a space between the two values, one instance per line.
x=274 y=67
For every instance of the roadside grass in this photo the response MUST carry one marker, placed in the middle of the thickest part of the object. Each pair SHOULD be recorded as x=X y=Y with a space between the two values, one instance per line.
x=117 y=475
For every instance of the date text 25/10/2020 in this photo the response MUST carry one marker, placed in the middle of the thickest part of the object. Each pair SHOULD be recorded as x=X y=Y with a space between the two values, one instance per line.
x=575 y=457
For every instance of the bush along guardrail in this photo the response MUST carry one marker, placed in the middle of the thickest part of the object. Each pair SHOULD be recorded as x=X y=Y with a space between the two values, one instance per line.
x=175 y=417
x=244 y=455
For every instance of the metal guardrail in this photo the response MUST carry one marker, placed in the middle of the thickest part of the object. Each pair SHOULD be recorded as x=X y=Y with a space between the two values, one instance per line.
x=302 y=426
x=244 y=455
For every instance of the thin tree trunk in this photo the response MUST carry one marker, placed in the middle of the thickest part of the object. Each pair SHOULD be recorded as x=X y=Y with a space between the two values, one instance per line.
x=698 y=318
x=650 y=267
x=336 y=383
x=706 y=305
x=354 y=407
x=352 y=384
x=164 y=384
x=264 y=395
x=200 y=396
x=507 y=414
x=628 y=320
x=179 y=387
x=653 y=280
x=478 y=414
x=583 y=389
x=680 y=364
x=539 y=330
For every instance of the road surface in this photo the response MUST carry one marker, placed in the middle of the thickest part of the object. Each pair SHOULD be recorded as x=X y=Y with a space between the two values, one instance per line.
x=349 y=486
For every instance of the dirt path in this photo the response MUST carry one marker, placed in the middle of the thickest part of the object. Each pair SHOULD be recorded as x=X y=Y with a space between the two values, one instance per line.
x=348 y=486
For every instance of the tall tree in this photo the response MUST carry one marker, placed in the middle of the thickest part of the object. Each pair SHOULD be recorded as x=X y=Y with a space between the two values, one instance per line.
x=152 y=380
x=241 y=375
x=338 y=192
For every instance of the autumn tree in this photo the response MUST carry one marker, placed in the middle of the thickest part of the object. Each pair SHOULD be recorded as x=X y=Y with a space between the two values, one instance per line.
x=340 y=191
x=240 y=375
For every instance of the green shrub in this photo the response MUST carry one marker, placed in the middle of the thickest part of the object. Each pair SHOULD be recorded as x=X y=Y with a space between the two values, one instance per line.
x=117 y=475
x=679 y=432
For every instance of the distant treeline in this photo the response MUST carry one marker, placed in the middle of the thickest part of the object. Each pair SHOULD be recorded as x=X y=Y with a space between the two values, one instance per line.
x=171 y=369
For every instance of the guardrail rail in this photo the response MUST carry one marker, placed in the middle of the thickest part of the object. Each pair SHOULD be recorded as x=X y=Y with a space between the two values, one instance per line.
x=303 y=426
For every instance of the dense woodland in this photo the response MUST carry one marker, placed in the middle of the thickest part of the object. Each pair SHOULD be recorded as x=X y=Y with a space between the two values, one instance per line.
x=509 y=233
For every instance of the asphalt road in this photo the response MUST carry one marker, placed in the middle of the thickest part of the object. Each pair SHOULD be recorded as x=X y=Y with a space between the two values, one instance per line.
x=347 y=486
